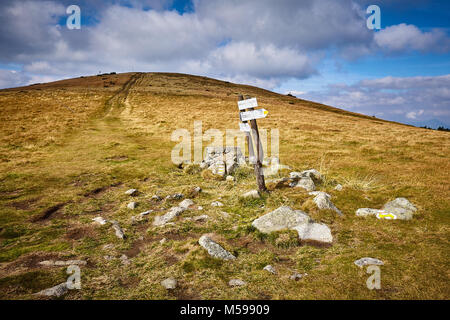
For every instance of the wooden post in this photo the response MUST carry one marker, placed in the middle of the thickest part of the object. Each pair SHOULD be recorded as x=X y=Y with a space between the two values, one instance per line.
x=258 y=164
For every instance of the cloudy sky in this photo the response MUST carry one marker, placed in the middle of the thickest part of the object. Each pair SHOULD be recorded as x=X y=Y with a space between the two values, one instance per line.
x=319 y=50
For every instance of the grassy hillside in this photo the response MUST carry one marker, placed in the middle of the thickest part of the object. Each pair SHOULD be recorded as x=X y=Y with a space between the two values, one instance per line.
x=70 y=149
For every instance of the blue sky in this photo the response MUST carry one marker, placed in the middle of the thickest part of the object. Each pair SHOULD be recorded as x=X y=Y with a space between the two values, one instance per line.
x=318 y=50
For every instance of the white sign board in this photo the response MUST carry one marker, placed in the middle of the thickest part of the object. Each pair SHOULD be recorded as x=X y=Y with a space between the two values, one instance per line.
x=249 y=103
x=254 y=114
x=244 y=127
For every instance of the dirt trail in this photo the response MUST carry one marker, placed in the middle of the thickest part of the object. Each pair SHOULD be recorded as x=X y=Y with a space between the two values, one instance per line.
x=118 y=103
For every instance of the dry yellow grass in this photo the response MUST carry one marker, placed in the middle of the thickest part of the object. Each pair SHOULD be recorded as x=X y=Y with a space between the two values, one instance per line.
x=78 y=144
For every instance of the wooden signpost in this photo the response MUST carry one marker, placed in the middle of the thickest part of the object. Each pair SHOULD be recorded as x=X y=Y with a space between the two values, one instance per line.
x=250 y=116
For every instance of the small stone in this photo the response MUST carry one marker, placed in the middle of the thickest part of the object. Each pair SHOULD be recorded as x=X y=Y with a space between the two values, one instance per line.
x=225 y=214
x=124 y=260
x=236 y=283
x=251 y=194
x=199 y=208
x=156 y=198
x=118 y=230
x=214 y=249
x=229 y=178
x=108 y=258
x=163 y=240
x=201 y=218
x=99 y=220
x=175 y=196
x=70 y=263
x=145 y=212
x=169 y=283
x=315 y=232
x=171 y=214
x=305 y=183
x=132 y=205
x=186 y=203
x=216 y=204
x=338 y=187
x=131 y=192
x=368 y=261
x=197 y=190
x=364 y=212
x=322 y=200
x=296 y=276
x=269 y=268
x=56 y=291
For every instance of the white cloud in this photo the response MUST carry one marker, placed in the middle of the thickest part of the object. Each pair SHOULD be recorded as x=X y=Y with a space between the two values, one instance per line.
x=397 y=98
x=406 y=37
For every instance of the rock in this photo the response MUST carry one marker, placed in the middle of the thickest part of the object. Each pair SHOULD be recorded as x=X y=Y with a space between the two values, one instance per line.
x=216 y=204
x=156 y=198
x=132 y=205
x=56 y=291
x=197 y=189
x=201 y=218
x=322 y=200
x=225 y=214
x=364 y=212
x=118 y=230
x=286 y=218
x=131 y=192
x=169 y=283
x=108 y=246
x=221 y=160
x=305 y=183
x=145 y=212
x=171 y=214
x=229 y=178
x=200 y=208
x=186 y=203
x=108 y=258
x=297 y=276
x=269 y=268
x=124 y=259
x=282 y=218
x=312 y=173
x=236 y=283
x=338 y=187
x=59 y=263
x=400 y=207
x=314 y=232
x=162 y=241
x=214 y=249
x=251 y=194
x=100 y=220
x=175 y=196
x=368 y=261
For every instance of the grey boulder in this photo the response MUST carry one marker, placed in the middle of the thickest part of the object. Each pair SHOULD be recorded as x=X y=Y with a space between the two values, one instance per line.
x=322 y=200
x=214 y=249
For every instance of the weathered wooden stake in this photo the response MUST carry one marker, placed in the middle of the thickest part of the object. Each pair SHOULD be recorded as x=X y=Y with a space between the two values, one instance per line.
x=258 y=164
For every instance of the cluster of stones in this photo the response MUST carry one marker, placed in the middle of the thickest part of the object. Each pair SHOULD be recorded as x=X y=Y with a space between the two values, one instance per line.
x=285 y=218
x=222 y=161
x=400 y=208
